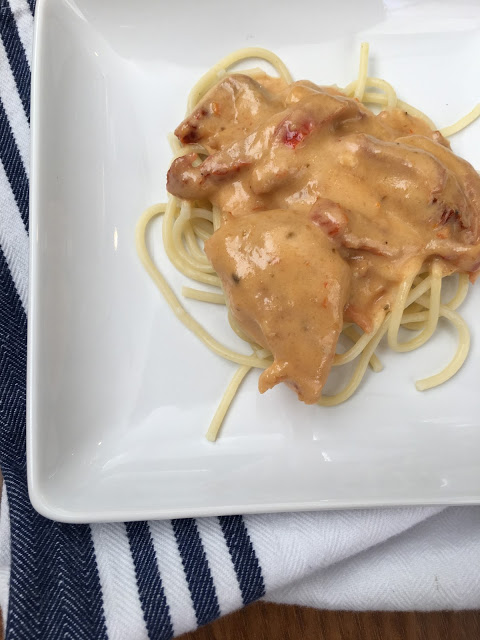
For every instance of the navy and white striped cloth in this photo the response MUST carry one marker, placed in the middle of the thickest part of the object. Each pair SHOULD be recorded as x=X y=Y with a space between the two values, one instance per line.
x=159 y=579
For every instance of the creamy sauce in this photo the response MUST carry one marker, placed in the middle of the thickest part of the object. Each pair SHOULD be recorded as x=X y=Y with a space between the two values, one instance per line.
x=326 y=208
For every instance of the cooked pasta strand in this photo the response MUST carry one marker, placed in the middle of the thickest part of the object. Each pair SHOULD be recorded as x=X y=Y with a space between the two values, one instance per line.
x=203 y=296
x=362 y=71
x=225 y=403
x=458 y=359
x=462 y=123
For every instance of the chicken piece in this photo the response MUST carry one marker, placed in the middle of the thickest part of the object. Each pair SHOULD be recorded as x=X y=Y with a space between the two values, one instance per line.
x=231 y=109
x=275 y=140
x=404 y=124
x=304 y=88
x=413 y=197
x=463 y=216
x=391 y=192
x=331 y=217
x=376 y=270
x=287 y=287
x=396 y=195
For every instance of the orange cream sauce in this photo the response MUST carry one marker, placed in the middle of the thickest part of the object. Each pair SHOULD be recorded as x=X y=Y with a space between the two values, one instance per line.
x=326 y=208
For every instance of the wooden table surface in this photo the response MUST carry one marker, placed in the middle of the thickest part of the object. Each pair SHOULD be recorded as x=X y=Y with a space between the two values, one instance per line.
x=262 y=621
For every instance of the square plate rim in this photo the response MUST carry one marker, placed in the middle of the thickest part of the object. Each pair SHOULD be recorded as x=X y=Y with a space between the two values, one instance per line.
x=39 y=500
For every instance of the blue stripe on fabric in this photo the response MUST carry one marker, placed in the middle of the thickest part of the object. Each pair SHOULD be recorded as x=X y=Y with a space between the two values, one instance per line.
x=54 y=584
x=150 y=589
x=13 y=363
x=31 y=4
x=16 y=55
x=197 y=571
x=69 y=581
x=13 y=165
x=244 y=558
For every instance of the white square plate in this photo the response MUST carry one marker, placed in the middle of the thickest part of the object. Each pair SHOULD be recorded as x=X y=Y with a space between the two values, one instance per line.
x=120 y=394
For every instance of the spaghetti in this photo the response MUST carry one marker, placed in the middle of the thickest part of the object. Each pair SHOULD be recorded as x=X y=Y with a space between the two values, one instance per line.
x=187 y=226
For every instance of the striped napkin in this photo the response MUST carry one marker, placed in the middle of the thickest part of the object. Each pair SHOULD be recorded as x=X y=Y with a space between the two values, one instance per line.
x=159 y=579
